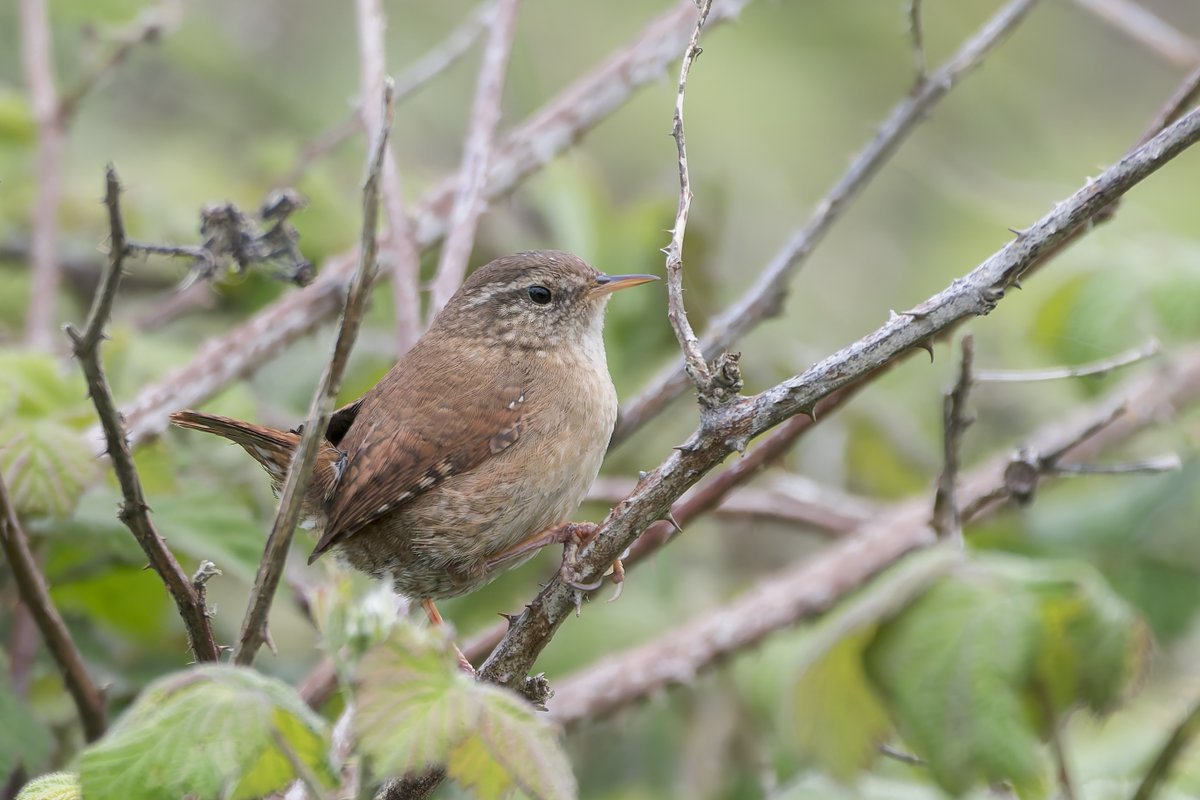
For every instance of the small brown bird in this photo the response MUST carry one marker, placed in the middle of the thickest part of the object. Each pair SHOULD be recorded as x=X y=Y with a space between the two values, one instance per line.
x=472 y=452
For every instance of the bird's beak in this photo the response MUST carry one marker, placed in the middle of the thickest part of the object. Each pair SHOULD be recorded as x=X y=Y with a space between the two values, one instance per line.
x=607 y=284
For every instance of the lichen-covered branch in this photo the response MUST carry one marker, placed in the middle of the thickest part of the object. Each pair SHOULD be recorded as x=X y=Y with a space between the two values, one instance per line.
x=731 y=426
x=765 y=297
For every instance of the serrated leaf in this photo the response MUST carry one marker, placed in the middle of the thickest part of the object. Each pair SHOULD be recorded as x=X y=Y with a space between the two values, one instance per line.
x=46 y=466
x=55 y=786
x=24 y=741
x=839 y=720
x=523 y=747
x=415 y=709
x=951 y=669
x=213 y=731
x=36 y=385
x=1092 y=645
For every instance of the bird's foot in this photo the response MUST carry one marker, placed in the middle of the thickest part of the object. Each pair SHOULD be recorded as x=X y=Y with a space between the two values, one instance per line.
x=576 y=536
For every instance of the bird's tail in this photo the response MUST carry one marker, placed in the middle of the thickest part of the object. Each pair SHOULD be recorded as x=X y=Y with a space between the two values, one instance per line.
x=270 y=447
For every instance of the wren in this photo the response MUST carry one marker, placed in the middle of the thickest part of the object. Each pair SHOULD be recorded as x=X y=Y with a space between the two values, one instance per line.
x=477 y=446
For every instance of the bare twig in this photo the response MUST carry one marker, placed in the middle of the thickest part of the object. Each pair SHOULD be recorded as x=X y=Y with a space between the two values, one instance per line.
x=443 y=55
x=414 y=78
x=319 y=146
x=1164 y=762
x=1102 y=367
x=766 y=296
x=134 y=511
x=1169 y=462
x=36 y=598
x=1147 y=29
x=916 y=33
x=398 y=250
x=693 y=361
x=807 y=589
x=790 y=498
x=38 y=61
x=974 y=294
x=559 y=123
x=946 y=520
x=1182 y=99
x=254 y=625
x=900 y=755
x=1062 y=769
x=477 y=156
x=149 y=27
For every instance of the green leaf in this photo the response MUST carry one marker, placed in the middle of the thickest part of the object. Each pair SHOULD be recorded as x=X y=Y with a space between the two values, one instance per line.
x=24 y=741
x=1093 y=645
x=523 y=748
x=36 y=385
x=46 y=466
x=951 y=668
x=415 y=709
x=55 y=786
x=839 y=720
x=213 y=731
x=412 y=706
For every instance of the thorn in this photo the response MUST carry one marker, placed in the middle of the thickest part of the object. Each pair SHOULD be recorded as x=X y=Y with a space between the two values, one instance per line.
x=670 y=517
x=1016 y=231
x=578 y=600
x=927 y=346
x=810 y=412
x=511 y=619
x=1016 y=283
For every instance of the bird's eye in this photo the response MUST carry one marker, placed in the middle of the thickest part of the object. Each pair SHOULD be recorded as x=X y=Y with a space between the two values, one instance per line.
x=539 y=295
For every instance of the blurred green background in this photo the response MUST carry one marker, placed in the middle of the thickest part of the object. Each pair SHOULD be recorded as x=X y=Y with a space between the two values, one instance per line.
x=779 y=102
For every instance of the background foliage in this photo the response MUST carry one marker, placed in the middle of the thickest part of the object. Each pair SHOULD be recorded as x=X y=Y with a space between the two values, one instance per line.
x=1068 y=605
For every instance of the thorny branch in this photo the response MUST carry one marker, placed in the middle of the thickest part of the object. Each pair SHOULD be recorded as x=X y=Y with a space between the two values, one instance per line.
x=477 y=156
x=134 y=511
x=807 y=589
x=693 y=360
x=975 y=294
x=765 y=298
x=36 y=597
x=554 y=128
x=254 y=625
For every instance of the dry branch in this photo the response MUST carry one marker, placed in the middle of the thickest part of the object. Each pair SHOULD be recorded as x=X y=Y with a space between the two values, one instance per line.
x=693 y=361
x=1147 y=29
x=731 y=426
x=1094 y=368
x=477 y=156
x=134 y=511
x=810 y=588
x=765 y=298
x=527 y=149
x=946 y=519
x=398 y=250
x=38 y=61
x=254 y=625
x=36 y=598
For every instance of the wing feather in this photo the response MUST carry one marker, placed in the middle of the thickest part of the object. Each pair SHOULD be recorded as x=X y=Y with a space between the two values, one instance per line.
x=411 y=435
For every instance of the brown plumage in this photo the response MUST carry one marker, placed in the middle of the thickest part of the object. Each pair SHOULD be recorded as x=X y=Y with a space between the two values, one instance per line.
x=488 y=432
